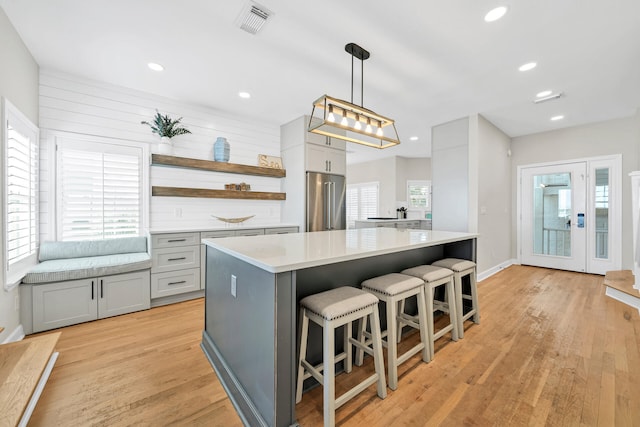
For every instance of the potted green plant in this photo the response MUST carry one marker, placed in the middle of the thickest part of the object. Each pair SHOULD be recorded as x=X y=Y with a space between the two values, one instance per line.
x=166 y=128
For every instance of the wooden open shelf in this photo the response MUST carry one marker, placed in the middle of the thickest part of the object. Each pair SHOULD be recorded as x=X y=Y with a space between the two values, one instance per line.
x=216 y=194
x=208 y=165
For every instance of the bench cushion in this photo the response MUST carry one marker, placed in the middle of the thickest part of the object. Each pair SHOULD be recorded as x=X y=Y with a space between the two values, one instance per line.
x=90 y=248
x=58 y=270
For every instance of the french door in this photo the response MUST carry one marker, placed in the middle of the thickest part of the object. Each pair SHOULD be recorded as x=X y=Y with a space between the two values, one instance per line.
x=570 y=215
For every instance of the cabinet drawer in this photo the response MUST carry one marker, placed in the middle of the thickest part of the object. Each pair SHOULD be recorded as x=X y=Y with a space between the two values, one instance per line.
x=281 y=230
x=217 y=234
x=409 y=224
x=175 y=282
x=254 y=232
x=180 y=258
x=173 y=240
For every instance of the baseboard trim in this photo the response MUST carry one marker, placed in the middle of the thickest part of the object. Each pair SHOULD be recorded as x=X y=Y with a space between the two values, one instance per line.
x=172 y=299
x=623 y=297
x=16 y=335
x=493 y=270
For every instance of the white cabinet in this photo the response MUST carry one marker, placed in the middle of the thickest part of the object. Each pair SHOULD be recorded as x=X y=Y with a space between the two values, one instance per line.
x=326 y=159
x=75 y=301
x=176 y=264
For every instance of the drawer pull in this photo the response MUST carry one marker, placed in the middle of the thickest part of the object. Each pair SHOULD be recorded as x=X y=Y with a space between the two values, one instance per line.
x=177 y=259
x=177 y=283
x=176 y=240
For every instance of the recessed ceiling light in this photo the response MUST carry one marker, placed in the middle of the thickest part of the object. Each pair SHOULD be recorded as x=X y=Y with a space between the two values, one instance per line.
x=413 y=138
x=495 y=14
x=556 y=118
x=528 y=66
x=244 y=95
x=155 y=67
x=544 y=93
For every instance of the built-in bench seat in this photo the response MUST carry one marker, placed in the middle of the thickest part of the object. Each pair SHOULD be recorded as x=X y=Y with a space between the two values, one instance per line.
x=78 y=281
x=60 y=261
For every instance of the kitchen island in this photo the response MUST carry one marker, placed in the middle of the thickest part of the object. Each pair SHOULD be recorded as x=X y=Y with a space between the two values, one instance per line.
x=253 y=287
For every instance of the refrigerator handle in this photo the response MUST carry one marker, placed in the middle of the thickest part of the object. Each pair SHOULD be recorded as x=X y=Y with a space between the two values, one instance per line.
x=327 y=203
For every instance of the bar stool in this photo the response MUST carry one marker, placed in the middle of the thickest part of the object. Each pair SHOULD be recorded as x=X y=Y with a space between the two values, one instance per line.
x=462 y=268
x=332 y=309
x=433 y=277
x=392 y=289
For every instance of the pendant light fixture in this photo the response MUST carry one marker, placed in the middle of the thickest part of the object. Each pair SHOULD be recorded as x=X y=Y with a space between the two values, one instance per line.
x=340 y=119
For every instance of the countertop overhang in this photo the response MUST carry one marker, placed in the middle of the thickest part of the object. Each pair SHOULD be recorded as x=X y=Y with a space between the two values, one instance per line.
x=287 y=252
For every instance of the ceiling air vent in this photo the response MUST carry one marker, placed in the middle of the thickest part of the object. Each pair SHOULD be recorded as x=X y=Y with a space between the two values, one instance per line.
x=253 y=17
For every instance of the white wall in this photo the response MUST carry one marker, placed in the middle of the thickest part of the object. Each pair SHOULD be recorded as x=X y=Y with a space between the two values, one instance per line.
x=620 y=136
x=450 y=175
x=382 y=171
x=410 y=169
x=18 y=84
x=494 y=196
x=72 y=104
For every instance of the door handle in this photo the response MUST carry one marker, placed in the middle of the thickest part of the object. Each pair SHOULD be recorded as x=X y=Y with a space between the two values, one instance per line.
x=92 y=292
x=329 y=165
x=101 y=289
x=326 y=166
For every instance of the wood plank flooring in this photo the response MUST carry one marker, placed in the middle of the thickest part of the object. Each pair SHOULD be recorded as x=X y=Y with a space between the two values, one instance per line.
x=551 y=349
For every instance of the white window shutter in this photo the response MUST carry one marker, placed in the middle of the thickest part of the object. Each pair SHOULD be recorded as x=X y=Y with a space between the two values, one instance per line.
x=99 y=192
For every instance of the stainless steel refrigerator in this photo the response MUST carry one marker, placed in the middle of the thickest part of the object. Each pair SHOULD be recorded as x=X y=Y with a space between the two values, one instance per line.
x=326 y=209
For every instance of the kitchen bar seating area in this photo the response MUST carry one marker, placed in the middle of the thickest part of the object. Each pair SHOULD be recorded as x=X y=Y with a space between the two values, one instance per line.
x=272 y=274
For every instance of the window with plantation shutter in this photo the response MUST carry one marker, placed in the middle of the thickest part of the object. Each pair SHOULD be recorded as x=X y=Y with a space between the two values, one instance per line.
x=20 y=193
x=99 y=190
x=362 y=202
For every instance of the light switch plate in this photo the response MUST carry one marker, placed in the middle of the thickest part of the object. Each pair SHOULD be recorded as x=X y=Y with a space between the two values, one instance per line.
x=233 y=286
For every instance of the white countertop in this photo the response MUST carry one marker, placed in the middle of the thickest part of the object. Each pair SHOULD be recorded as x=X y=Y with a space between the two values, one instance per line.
x=286 y=252
x=221 y=227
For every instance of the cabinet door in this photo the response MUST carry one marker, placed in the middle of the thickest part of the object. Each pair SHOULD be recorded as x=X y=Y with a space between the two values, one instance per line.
x=123 y=293
x=316 y=158
x=337 y=161
x=64 y=303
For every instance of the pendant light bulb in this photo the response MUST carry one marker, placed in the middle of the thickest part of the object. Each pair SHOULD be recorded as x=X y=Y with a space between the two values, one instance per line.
x=357 y=125
x=344 y=121
x=379 y=132
x=331 y=118
x=368 y=129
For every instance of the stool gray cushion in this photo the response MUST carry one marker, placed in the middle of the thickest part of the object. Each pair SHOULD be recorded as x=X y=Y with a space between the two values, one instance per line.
x=338 y=302
x=428 y=273
x=455 y=264
x=392 y=284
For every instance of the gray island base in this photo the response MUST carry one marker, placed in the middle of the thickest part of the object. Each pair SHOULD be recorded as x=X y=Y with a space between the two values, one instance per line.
x=253 y=286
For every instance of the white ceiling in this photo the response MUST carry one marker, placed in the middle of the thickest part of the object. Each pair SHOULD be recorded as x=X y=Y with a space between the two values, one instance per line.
x=431 y=61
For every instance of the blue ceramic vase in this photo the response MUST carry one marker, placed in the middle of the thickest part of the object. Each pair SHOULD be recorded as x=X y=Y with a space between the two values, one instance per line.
x=221 y=150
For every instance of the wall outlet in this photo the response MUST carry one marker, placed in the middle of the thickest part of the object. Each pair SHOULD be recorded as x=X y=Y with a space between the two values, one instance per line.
x=16 y=303
x=178 y=212
x=233 y=286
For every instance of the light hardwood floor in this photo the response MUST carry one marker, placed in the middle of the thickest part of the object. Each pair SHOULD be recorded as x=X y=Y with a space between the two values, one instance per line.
x=551 y=349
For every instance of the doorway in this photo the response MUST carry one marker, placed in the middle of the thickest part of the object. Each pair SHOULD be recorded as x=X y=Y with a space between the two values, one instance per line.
x=570 y=214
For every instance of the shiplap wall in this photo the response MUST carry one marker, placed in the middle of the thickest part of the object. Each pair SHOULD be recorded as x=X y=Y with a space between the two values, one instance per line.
x=80 y=106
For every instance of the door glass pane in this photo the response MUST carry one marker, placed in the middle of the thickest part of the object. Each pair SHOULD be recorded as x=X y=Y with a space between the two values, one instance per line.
x=552 y=214
x=602 y=213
